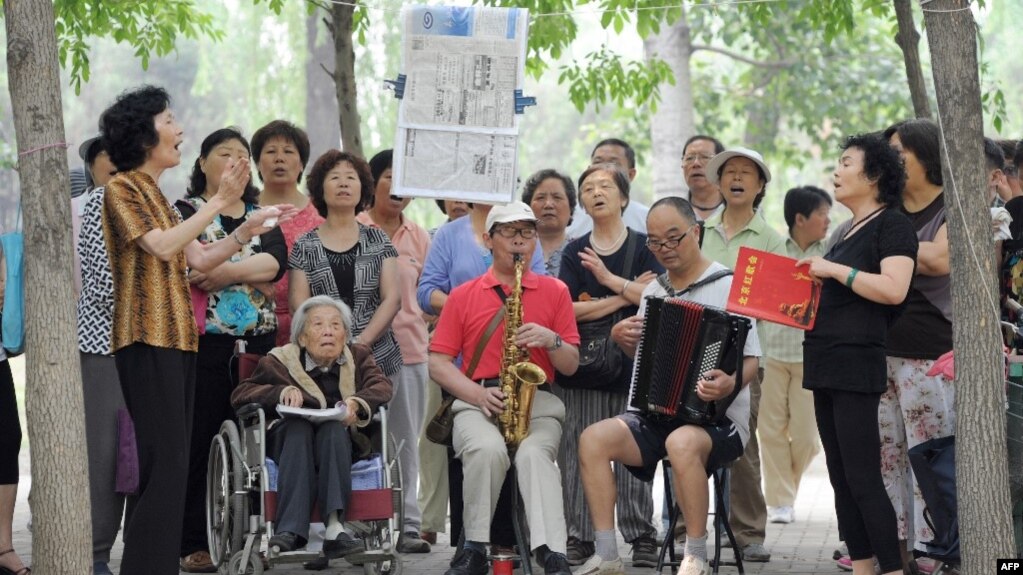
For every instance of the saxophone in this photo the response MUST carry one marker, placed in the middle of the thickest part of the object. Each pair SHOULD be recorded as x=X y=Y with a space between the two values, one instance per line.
x=519 y=377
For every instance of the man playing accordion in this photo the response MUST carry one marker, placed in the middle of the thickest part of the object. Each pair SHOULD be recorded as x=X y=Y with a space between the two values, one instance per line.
x=640 y=440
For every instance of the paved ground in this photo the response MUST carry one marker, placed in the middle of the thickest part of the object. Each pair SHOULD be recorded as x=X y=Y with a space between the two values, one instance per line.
x=803 y=547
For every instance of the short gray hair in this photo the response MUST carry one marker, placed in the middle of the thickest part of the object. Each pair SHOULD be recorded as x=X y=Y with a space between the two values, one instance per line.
x=298 y=320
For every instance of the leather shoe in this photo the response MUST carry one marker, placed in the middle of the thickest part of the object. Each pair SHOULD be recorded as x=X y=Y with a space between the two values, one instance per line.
x=342 y=545
x=556 y=564
x=286 y=541
x=471 y=562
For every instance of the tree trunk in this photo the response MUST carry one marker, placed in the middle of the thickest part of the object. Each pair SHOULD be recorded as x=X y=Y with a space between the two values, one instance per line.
x=982 y=475
x=320 y=99
x=673 y=122
x=908 y=40
x=62 y=534
x=344 y=77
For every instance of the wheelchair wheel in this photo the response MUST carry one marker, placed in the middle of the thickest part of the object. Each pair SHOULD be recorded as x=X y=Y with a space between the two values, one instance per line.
x=225 y=502
x=242 y=564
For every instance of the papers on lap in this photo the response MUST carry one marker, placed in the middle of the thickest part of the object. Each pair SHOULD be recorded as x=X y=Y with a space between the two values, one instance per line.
x=316 y=416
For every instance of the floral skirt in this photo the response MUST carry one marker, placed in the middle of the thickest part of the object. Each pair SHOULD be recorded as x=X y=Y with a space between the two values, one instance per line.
x=915 y=408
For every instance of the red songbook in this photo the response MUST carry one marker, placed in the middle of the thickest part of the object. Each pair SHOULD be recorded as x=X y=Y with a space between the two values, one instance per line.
x=771 y=287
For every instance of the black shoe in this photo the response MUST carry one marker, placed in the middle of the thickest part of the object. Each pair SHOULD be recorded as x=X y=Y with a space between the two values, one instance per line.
x=411 y=542
x=341 y=546
x=471 y=562
x=556 y=564
x=644 y=552
x=286 y=541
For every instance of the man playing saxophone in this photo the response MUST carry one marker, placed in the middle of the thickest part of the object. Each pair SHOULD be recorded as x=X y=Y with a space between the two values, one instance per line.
x=547 y=336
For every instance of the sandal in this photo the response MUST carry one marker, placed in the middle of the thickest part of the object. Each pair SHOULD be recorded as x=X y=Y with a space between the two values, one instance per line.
x=6 y=571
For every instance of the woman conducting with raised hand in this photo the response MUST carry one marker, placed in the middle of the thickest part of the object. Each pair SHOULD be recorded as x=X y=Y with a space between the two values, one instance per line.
x=865 y=276
x=154 y=338
x=240 y=307
x=606 y=271
x=329 y=259
x=281 y=152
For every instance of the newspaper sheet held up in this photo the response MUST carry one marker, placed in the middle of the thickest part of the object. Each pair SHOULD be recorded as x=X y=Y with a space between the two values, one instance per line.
x=457 y=134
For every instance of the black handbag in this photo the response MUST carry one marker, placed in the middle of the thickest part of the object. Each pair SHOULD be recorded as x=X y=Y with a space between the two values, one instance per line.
x=603 y=365
x=934 y=466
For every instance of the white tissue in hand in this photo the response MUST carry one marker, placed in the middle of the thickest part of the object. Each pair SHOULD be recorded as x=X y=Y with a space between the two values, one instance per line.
x=272 y=220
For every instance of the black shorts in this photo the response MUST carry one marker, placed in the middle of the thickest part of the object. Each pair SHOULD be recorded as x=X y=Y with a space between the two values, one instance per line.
x=650 y=434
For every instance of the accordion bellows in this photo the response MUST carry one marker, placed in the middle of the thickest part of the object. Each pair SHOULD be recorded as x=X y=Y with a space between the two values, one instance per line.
x=682 y=340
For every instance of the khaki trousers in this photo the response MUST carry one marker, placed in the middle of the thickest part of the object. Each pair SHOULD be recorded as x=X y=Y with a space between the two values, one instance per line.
x=788 y=431
x=748 y=513
x=480 y=446
x=433 y=471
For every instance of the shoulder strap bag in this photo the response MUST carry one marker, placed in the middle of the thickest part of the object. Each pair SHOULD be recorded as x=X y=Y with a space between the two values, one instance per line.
x=441 y=425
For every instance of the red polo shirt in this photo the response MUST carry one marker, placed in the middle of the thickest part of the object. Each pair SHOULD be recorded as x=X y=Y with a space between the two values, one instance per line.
x=471 y=306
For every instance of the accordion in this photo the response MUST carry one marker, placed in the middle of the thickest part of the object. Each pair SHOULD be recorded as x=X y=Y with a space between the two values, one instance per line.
x=681 y=340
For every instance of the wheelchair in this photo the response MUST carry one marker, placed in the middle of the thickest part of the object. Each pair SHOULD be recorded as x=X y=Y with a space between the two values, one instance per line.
x=241 y=508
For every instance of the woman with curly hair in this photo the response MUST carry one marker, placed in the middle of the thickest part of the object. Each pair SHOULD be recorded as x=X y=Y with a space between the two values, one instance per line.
x=865 y=277
x=552 y=196
x=240 y=306
x=154 y=336
x=329 y=259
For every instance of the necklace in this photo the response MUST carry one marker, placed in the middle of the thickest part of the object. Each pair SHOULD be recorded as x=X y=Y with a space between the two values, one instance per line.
x=855 y=225
x=593 y=242
x=703 y=209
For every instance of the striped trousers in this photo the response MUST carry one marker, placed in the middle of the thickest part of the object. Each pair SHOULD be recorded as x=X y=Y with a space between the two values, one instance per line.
x=635 y=508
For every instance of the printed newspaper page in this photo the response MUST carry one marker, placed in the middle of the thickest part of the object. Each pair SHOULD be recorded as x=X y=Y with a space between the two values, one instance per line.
x=457 y=134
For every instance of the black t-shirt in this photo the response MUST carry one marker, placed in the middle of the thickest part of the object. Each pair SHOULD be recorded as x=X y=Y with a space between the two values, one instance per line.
x=271 y=242
x=583 y=286
x=923 y=330
x=342 y=265
x=846 y=348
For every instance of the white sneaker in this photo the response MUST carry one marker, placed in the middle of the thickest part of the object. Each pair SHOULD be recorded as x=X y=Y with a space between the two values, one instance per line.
x=597 y=566
x=694 y=566
x=785 y=514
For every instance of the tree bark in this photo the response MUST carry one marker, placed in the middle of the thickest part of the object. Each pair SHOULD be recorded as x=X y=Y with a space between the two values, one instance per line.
x=341 y=29
x=62 y=534
x=982 y=476
x=673 y=122
x=320 y=98
x=908 y=40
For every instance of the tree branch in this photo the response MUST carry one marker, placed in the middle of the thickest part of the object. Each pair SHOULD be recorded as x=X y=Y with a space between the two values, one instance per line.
x=736 y=56
x=329 y=73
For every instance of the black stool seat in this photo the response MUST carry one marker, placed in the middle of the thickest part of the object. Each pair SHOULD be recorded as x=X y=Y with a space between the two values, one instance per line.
x=721 y=525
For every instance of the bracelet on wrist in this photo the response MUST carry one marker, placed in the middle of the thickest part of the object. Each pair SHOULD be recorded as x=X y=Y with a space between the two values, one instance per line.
x=849 y=279
x=625 y=286
x=237 y=239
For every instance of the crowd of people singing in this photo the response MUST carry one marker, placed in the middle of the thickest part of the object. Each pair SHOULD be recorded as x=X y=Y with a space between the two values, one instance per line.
x=352 y=302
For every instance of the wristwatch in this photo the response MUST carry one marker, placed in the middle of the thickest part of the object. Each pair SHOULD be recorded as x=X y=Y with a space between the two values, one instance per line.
x=557 y=343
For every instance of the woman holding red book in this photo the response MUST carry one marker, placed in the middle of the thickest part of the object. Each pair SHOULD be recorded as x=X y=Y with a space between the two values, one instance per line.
x=865 y=278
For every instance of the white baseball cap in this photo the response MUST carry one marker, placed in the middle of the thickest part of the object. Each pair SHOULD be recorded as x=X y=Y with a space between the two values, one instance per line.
x=715 y=163
x=513 y=212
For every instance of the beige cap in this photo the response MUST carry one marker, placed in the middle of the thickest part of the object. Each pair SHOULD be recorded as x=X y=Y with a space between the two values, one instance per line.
x=513 y=212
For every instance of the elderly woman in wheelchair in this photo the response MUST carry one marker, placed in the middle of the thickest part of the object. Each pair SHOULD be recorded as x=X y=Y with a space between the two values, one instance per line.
x=320 y=368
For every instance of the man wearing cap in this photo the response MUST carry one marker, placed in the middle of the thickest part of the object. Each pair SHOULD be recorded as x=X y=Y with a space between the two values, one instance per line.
x=742 y=176
x=548 y=331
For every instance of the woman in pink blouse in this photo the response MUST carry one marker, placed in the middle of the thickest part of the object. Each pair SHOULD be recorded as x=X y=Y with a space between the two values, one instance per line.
x=281 y=151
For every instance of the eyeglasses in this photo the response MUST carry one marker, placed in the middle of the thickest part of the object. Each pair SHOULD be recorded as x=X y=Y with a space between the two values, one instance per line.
x=526 y=233
x=693 y=158
x=670 y=243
